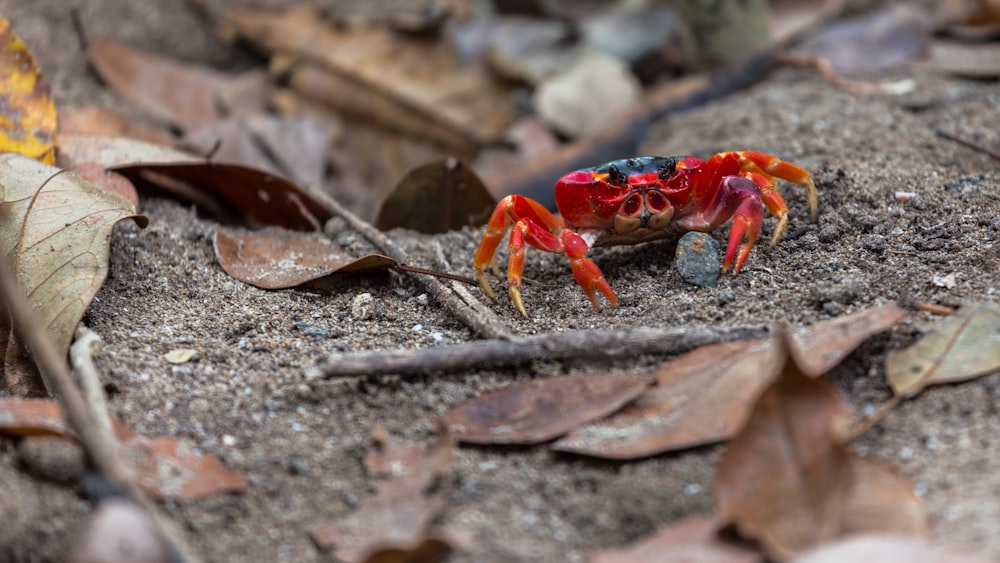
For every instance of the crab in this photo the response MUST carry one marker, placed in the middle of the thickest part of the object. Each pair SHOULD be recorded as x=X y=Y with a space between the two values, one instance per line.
x=637 y=200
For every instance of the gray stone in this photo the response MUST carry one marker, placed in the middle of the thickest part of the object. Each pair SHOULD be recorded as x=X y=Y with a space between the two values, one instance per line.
x=698 y=259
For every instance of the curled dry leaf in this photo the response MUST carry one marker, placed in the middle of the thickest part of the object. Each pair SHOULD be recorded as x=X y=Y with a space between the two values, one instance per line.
x=258 y=197
x=270 y=261
x=689 y=541
x=436 y=197
x=58 y=238
x=403 y=83
x=110 y=151
x=394 y=525
x=964 y=346
x=180 y=94
x=536 y=411
x=788 y=481
x=27 y=112
x=705 y=395
x=167 y=467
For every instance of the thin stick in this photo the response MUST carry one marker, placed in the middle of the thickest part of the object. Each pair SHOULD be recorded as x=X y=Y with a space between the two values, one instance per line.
x=81 y=357
x=589 y=344
x=830 y=74
x=485 y=325
x=970 y=143
x=101 y=450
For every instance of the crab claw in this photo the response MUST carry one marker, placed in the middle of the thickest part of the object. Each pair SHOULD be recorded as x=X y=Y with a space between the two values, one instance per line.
x=747 y=220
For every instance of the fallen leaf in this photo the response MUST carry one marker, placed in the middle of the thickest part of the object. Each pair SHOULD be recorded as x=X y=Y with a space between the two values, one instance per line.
x=394 y=525
x=400 y=82
x=435 y=198
x=963 y=59
x=179 y=94
x=700 y=398
x=107 y=180
x=76 y=149
x=270 y=261
x=964 y=346
x=168 y=468
x=27 y=112
x=690 y=541
x=258 y=197
x=788 y=481
x=889 y=549
x=794 y=18
x=285 y=146
x=94 y=120
x=873 y=42
x=58 y=238
x=32 y=417
x=536 y=411
x=704 y=396
x=180 y=355
x=822 y=346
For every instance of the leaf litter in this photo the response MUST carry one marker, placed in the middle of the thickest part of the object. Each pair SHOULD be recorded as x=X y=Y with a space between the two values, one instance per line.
x=27 y=112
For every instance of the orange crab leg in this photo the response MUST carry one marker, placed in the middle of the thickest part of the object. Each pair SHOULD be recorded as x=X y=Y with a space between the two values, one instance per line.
x=587 y=274
x=774 y=166
x=508 y=210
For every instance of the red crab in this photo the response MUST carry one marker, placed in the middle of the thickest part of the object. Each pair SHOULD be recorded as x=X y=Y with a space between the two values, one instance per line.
x=640 y=199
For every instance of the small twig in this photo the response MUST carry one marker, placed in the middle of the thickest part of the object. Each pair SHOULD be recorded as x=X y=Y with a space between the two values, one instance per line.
x=589 y=344
x=102 y=451
x=486 y=325
x=81 y=357
x=969 y=143
x=428 y=272
x=933 y=308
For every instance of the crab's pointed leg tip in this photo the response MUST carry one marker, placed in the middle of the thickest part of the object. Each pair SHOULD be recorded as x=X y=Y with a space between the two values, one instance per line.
x=813 y=198
x=484 y=283
x=515 y=296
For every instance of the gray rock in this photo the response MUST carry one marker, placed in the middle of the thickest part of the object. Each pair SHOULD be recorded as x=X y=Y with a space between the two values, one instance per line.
x=698 y=259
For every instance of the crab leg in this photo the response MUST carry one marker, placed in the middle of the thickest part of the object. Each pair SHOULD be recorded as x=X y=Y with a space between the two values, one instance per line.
x=747 y=220
x=773 y=166
x=587 y=274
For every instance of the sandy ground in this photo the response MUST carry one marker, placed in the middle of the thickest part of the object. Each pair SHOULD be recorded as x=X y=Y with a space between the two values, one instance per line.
x=301 y=444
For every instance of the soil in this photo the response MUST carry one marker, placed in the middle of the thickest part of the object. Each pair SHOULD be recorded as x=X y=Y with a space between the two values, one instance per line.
x=300 y=444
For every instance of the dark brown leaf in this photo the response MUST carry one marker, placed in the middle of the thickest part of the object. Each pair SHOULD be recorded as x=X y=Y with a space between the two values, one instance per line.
x=705 y=395
x=535 y=411
x=270 y=261
x=260 y=198
x=437 y=197
x=788 y=481
x=701 y=397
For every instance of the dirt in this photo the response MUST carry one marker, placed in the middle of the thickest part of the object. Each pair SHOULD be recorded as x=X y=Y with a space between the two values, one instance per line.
x=300 y=444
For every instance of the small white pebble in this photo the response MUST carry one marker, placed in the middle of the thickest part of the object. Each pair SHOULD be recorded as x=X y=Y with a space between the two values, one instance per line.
x=228 y=440
x=417 y=327
x=692 y=489
x=363 y=306
x=904 y=197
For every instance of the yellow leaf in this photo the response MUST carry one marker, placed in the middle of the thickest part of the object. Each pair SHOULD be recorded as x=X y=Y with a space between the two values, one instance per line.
x=27 y=113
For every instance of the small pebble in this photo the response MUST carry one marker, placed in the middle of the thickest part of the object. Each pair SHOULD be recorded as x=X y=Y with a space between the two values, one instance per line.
x=50 y=458
x=313 y=330
x=363 y=306
x=698 y=259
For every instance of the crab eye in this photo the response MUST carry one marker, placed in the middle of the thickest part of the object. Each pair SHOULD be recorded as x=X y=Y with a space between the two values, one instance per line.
x=665 y=172
x=616 y=177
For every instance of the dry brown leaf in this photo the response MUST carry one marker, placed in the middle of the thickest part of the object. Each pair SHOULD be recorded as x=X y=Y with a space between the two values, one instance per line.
x=94 y=120
x=259 y=198
x=394 y=525
x=435 y=198
x=272 y=261
x=705 y=395
x=822 y=346
x=167 y=468
x=27 y=112
x=403 y=83
x=700 y=398
x=965 y=346
x=691 y=541
x=788 y=481
x=107 y=180
x=793 y=18
x=536 y=411
x=962 y=59
x=171 y=469
x=180 y=94
x=58 y=239
x=110 y=151
x=873 y=548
